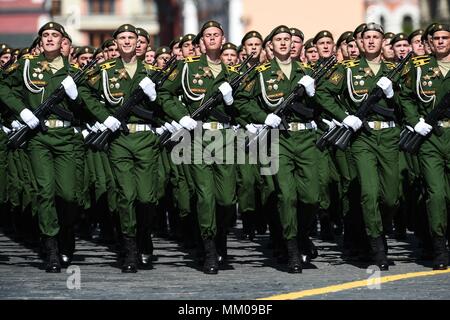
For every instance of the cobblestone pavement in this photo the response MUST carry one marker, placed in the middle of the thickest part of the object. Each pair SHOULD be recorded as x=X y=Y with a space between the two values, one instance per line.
x=250 y=274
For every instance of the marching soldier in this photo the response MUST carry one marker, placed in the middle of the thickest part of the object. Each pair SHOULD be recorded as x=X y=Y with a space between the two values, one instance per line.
x=133 y=157
x=297 y=44
x=229 y=54
x=143 y=43
x=295 y=181
x=311 y=54
x=426 y=84
x=415 y=39
x=51 y=152
x=377 y=174
x=196 y=79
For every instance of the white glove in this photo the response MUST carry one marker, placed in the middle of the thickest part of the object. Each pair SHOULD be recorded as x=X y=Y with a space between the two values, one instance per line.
x=353 y=122
x=188 y=123
x=331 y=125
x=386 y=84
x=252 y=128
x=148 y=86
x=6 y=130
x=70 y=87
x=227 y=93
x=112 y=123
x=85 y=133
x=308 y=83
x=168 y=126
x=16 y=125
x=100 y=127
x=29 y=118
x=160 y=130
x=423 y=128
x=176 y=125
x=272 y=120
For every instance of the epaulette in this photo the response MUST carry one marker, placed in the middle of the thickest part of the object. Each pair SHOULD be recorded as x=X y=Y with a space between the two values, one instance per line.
x=151 y=67
x=75 y=65
x=108 y=64
x=11 y=68
x=350 y=63
x=421 y=61
x=28 y=57
x=234 y=69
x=192 y=59
x=304 y=65
x=263 y=67
x=390 y=65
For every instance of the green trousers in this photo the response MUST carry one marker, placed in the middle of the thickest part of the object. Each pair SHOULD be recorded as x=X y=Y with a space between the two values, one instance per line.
x=134 y=163
x=434 y=157
x=297 y=179
x=214 y=185
x=52 y=157
x=376 y=156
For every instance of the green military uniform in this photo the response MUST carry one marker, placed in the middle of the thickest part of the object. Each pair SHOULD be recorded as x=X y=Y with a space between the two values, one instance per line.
x=425 y=86
x=133 y=157
x=375 y=154
x=297 y=177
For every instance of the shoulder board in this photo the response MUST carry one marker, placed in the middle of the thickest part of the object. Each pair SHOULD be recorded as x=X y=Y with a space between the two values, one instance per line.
x=75 y=65
x=350 y=63
x=11 y=68
x=192 y=59
x=303 y=65
x=390 y=65
x=263 y=67
x=108 y=65
x=233 y=69
x=151 y=67
x=173 y=74
x=421 y=60
x=28 y=57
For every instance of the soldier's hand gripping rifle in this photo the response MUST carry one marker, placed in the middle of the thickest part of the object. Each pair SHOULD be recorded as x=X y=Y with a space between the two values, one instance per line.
x=18 y=138
x=345 y=134
x=297 y=93
x=208 y=106
x=130 y=106
x=411 y=141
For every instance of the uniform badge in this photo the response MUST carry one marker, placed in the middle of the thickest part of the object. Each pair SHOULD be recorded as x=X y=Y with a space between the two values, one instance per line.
x=122 y=74
x=280 y=75
x=207 y=72
x=45 y=65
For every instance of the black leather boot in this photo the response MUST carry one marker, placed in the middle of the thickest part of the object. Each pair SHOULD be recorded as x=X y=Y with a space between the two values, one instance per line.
x=248 y=228
x=294 y=262
x=440 y=261
x=144 y=214
x=130 y=260
x=379 y=253
x=211 y=265
x=52 y=260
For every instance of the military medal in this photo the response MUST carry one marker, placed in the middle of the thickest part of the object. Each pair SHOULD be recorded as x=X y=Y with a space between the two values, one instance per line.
x=200 y=82
x=194 y=81
x=424 y=83
x=275 y=86
x=430 y=83
x=34 y=75
x=280 y=75
x=356 y=83
x=270 y=88
x=361 y=83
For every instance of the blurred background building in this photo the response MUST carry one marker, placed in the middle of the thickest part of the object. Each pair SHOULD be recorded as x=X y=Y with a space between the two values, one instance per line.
x=92 y=21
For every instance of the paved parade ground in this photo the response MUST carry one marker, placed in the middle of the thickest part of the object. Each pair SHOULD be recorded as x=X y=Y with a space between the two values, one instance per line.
x=250 y=274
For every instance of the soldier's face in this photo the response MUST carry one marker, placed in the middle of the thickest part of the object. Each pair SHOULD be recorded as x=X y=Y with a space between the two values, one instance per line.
x=229 y=57
x=84 y=59
x=253 y=45
x=372 y=42
x=51 y=41
x=401 y=49
x=325 y=47
x=268 y=50
x=441 y=43
x=162 y=59
x=113 y=52
x=213 y=38
x=417 y=45
x=353 y=50
x=177 y=52
x=150 y=57
x=344 y=49
x=126 y=43
x=141 y=46
x=359 y=42
x=281 y=45
x=5 y=58
x=297 y=47
x=312 y=55
x=388 y=50
x=187 y=49
x=65 y=47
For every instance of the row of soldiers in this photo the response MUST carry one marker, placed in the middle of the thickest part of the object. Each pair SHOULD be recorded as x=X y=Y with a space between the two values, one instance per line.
x=136 y=183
